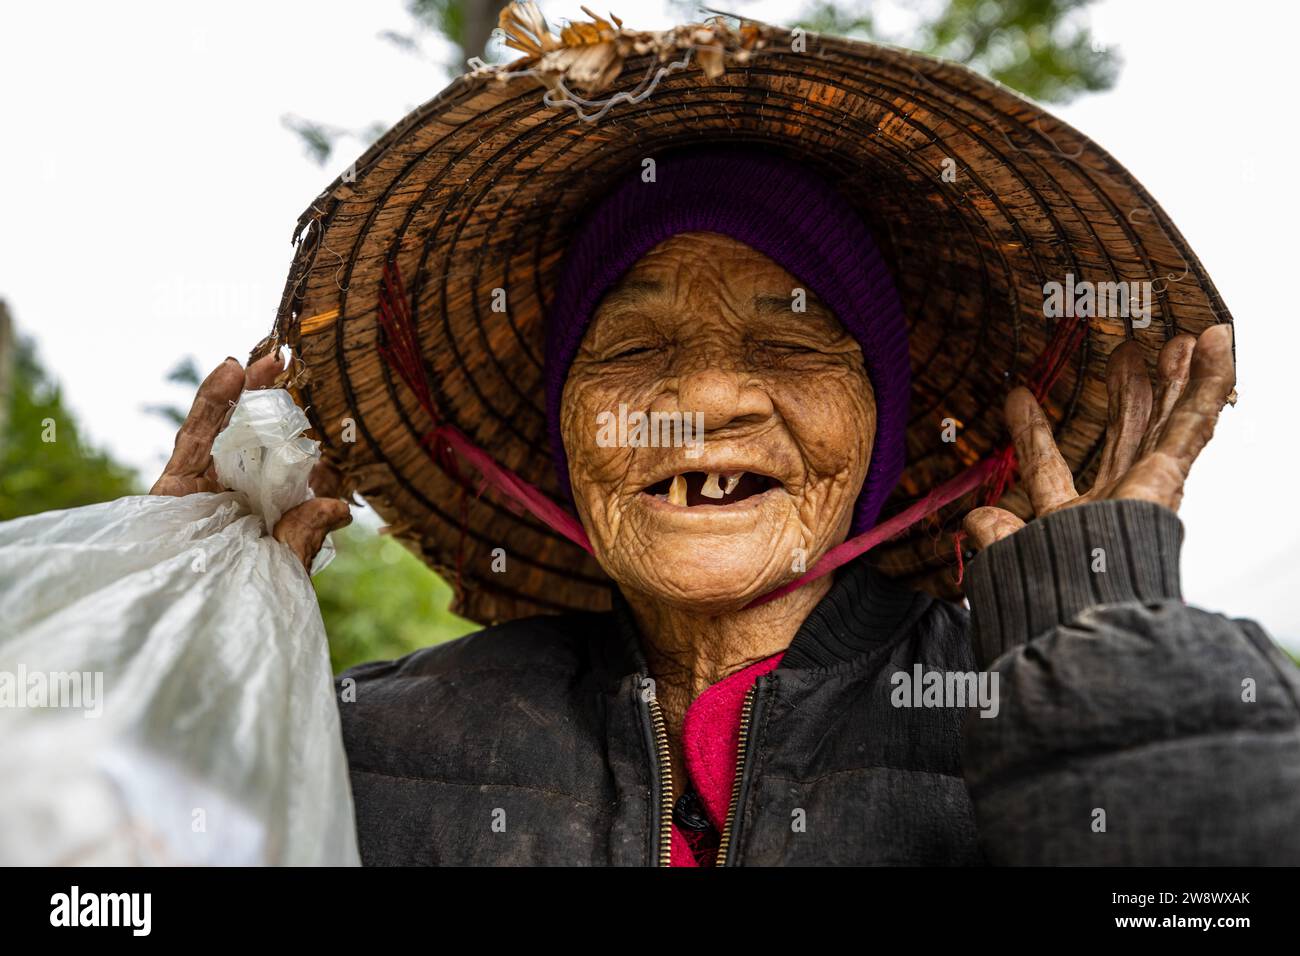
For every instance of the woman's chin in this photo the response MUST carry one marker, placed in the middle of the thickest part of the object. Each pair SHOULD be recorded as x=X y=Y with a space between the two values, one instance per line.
x=705 y=558
x=713 y=574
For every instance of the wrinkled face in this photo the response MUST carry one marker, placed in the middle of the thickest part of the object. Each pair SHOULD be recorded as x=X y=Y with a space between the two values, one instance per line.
x=704 y=330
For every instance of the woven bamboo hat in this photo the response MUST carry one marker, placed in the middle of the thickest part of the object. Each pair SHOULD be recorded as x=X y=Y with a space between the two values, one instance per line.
x=459 y=216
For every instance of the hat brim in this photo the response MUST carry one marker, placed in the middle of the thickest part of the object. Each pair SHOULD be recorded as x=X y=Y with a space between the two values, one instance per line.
x=977 y=197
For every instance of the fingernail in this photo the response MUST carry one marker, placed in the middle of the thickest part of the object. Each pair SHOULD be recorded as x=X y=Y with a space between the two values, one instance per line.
x=231 y=358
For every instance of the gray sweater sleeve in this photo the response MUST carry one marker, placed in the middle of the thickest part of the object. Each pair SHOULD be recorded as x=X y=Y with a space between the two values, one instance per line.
x=1131 y=728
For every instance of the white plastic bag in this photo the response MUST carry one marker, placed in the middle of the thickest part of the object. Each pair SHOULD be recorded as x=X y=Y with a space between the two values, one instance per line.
x=165 y=687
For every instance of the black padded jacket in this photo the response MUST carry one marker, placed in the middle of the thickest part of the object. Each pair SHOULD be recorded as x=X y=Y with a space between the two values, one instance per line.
x=1117 y=726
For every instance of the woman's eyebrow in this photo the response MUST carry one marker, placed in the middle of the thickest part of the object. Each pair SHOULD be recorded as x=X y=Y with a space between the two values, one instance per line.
x=633 y=292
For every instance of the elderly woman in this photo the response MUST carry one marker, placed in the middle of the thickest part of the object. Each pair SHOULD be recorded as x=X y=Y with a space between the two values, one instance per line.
x=753 y=689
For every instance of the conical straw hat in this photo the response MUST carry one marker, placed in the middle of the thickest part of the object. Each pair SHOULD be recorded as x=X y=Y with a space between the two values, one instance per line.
x=978 y=198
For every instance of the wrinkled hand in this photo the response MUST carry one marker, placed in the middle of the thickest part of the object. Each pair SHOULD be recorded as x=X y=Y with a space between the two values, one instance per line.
x=1150 y=444
x=191 y=470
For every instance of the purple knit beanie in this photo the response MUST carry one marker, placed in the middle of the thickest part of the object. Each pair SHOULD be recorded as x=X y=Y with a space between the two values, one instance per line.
x=784 y=212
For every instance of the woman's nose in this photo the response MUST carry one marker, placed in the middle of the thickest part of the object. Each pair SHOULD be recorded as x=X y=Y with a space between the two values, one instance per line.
x=724 y=398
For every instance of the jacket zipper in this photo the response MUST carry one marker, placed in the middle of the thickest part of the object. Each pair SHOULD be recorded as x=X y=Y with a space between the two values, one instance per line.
x=663 y=762
x=742 y=751
x=664 y=765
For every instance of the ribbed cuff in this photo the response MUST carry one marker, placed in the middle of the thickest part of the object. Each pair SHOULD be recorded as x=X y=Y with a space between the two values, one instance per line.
x=1050 y=570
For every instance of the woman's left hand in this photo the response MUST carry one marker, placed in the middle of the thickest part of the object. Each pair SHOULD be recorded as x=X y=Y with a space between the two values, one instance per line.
x=1150 y=444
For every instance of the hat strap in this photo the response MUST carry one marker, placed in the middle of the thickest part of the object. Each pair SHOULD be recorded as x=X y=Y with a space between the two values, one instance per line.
x=952 y=489
x=446 y=443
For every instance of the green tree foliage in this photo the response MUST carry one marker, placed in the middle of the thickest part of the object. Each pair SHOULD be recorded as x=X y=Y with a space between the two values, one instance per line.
x=445 y=16
x=1041 y=48
x=45 y=464
x=380 y=601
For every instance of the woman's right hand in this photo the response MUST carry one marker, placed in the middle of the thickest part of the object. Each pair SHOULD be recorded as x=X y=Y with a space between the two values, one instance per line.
x=191 y=470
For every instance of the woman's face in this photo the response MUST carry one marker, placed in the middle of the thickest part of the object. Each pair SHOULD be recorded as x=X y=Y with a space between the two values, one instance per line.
x=703 y=325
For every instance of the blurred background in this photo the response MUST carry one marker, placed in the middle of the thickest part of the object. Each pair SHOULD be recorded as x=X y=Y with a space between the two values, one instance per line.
x=156 y=156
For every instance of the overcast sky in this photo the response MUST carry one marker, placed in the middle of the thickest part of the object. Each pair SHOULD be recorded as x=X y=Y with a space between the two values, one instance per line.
x=151 y=192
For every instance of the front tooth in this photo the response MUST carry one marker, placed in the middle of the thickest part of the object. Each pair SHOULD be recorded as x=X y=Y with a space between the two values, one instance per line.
x=677 y=491
x=732 y=481
x=711 y=488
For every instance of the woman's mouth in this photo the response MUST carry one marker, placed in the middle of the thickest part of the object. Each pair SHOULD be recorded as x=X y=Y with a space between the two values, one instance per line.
x=694 y=489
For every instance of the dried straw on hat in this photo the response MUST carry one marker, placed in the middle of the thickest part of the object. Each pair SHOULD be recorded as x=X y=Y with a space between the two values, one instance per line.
x=977 y=198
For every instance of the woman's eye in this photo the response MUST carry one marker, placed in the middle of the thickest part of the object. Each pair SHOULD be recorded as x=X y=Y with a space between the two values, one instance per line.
x=628 y=352
x=787 y=346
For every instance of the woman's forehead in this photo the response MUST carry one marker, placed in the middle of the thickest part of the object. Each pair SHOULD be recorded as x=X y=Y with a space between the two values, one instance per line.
x=703 y=265
x=707 y=254
x=644 y=307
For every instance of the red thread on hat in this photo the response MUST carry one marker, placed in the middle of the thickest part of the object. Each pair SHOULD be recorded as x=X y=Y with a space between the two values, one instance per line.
x=446 y=443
